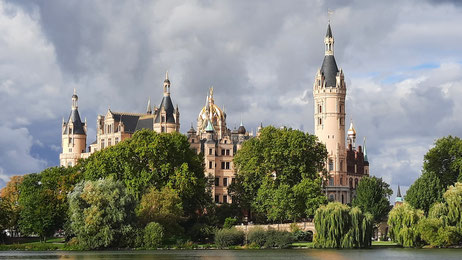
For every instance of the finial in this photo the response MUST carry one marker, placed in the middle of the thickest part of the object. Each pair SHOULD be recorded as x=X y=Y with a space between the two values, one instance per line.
x=211 y=91
x=166 y=75
x=75 y=92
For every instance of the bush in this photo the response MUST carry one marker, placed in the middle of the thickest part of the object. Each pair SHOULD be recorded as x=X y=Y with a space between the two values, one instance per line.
x=300 y=235
x=153 y=235
x=436 y=233
x=229 y=237
x=229 y=222
x=202 y=233
x=279 y=239
x=257 y=236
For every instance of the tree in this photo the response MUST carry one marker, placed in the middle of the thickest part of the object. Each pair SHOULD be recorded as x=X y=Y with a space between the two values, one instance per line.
x=372 y=195
x=164 y=207
x=149 y=159
x=425 y=191
x=153 y=235
x=102 y=213
x=10 y=197
x=4 y=219
x=339 y=226
x=402 y=222
x=445 y=160
x=453 y=199
x=277 y=174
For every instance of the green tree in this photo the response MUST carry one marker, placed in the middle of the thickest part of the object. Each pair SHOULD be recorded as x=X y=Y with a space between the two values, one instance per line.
x=4 y=219
x=339 y=226
x=372 y=195
x=277 y=174
x=445 y=160
x=453 y=199
x=10 y=197
x=153 y=235
x=402 y=222
x=149 y=159
x=164 y=207
x=425 y=191
x=102 y=213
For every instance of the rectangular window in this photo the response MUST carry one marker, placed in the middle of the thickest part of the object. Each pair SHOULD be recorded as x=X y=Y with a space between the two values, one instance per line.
x=232 y=180
x=331 y=181
x=217 y=199
x=210 y=151
x=341 y=165
x=331 y=165
x=227 y=165
x=225 y=199
x=210 y=165
x=116 y=140
x=162 y=129
x=192 y=141
x=222 y=165
x=102 y=143
x=109 y=142
x=70 y=140
x=217 y=181
x=70 y=150
x=222 y=151
x=225 y=182
x=227 y=152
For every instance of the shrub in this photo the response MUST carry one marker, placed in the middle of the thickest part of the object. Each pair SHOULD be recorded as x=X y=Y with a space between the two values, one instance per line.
x=201 y=232
x=153 y=235
x=303 y=236
x=257 y=236
x=279 y=239
x=229 y=237
x=229 y=222
x=402 y=222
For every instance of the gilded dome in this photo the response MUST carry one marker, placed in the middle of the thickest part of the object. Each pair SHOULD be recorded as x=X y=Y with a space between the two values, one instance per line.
x=211 y=112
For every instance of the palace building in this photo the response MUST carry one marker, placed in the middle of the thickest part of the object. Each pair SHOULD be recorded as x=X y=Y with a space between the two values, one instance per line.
x=346 y=163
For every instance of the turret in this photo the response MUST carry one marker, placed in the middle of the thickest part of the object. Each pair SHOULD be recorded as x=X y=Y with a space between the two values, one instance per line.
x=166 y=85
x=352 y=135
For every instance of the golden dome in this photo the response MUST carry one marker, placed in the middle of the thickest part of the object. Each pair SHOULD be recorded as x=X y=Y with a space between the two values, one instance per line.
x=352 y=130
x=210 y=112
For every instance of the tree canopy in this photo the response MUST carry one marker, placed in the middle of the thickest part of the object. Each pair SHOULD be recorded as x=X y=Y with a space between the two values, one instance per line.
x=149 y=159
x=372 y=195
x=277 y=174
x=425 y=191
x=10 y=199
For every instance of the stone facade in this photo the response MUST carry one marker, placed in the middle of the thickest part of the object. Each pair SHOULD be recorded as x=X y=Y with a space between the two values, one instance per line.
x=345 y=164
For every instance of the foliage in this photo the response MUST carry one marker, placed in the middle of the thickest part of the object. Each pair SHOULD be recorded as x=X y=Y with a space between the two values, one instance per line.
x=164 y=207
x=372 y=195
x=436 y=233
x=149 y=159
x=227 y=237
x=4 y=219
x=201 y=232
x=278 y=174
x=445 y=160
x=402 y=222
x=10 y=197
x=101 y=213
x=278 y=239
x=301 y=235
x=453 y=199
x=339 y=226
x=425 y=191
x=230 y=222
x=257 y=236
x=153 y=235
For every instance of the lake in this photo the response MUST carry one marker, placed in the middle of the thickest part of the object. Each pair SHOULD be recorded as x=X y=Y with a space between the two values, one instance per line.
x=376 y=254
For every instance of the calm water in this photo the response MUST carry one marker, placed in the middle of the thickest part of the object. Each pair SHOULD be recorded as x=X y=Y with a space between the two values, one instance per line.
x=375 y=254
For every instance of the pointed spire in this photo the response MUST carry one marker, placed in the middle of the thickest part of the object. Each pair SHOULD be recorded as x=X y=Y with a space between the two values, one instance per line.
x=75 y=98
x=148 y=109
x=329 y=41
x=365 y=150
x=166 y=76
x=399 y=192
x=329 y=31
x=166 y=85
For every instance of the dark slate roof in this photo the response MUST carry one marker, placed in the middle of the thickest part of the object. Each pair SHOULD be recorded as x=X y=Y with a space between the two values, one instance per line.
x=74 y=117
x=329 y=69
x=145 y=123
x=168 y=106
x=129 y=120
x=241 y=130
x=329 y=31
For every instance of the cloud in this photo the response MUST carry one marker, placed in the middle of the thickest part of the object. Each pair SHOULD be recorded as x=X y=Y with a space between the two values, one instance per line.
x=260 y=56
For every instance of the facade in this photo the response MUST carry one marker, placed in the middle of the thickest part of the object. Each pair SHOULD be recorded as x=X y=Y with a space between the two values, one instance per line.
x=115 y=127
x=218 y=144
x=346 y=163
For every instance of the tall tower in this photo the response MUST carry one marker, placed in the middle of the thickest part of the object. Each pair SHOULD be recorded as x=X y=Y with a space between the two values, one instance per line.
x=74 y=136
x=329 y=93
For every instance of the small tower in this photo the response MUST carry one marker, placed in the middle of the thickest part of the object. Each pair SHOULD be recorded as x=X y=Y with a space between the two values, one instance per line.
x=73 y=136
x=399 y=199
x=148 y=109
x=166 y=117
x=352 y=135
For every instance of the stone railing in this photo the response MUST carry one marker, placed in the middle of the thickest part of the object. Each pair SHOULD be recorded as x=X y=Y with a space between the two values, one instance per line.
x=304 y=226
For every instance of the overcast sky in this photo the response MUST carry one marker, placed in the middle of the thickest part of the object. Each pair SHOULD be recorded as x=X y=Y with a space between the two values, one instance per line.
x=402 y=62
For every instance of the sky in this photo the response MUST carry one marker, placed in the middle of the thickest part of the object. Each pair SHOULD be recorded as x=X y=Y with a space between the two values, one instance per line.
x=402 y=62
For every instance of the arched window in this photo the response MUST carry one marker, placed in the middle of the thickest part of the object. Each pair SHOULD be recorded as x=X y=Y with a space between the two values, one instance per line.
x=351 y=183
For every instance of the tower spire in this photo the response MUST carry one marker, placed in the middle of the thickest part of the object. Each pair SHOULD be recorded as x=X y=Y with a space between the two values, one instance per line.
x=166 y=85
x=75 y=98
x=329 y=41
x=149 y=110
x=365 y=150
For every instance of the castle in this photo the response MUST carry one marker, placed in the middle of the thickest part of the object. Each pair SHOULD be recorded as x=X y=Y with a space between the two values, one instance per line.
x=346 y=164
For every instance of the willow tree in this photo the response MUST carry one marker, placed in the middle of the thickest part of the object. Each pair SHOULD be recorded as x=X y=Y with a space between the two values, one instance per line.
x=402 y=222
x=339 y=226
x=453 y=198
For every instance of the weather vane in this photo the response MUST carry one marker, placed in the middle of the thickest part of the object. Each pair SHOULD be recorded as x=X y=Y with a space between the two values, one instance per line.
x=329 y=14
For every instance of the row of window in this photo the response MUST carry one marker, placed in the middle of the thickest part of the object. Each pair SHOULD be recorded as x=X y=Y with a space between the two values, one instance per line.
x=225 y=181
x=331 y=182
x=224 y=165
x=223 y=151
x=217 y=199
x=340 y=108
x=109 y=142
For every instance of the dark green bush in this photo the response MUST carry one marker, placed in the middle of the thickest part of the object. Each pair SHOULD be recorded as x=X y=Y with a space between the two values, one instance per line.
x=257 y=236
x=202 y=233
x=300 y=235
x=229 y=237
x=153 y=235
x=279 y=239
x=229 y=222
